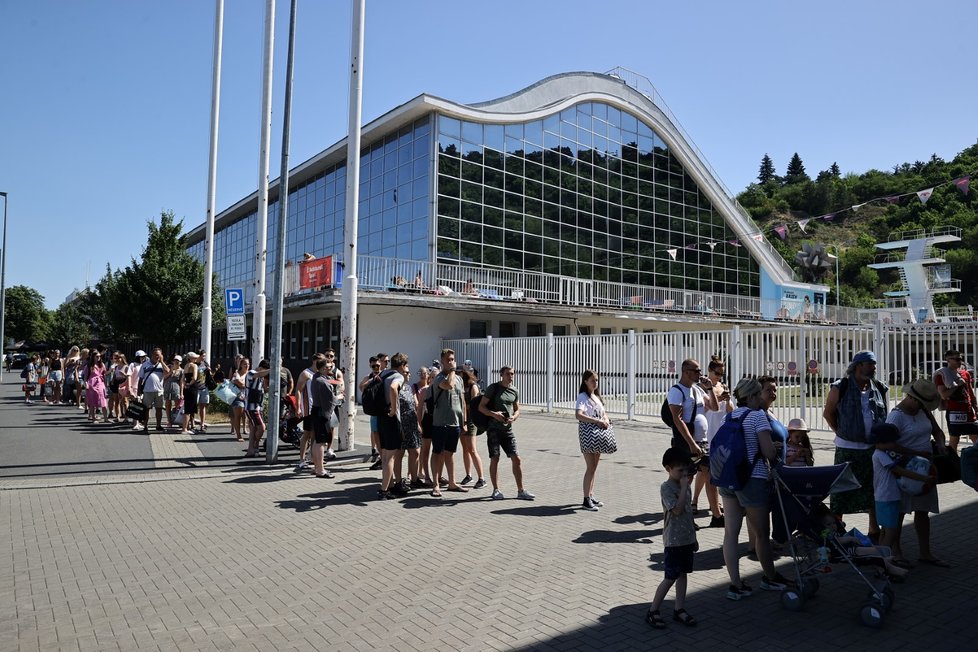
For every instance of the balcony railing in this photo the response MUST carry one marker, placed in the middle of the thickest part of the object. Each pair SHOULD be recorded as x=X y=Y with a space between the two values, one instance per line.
x=461 y=281
x=917 y=234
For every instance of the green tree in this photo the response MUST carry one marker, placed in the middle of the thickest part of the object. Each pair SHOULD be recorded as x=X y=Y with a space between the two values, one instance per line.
x=796 y=170
x=766 y=172
x=159 y=296
x=25 y=317
x=69 y=326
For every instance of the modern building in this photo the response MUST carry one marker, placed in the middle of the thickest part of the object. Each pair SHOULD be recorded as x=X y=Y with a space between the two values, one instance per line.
x=576 y=205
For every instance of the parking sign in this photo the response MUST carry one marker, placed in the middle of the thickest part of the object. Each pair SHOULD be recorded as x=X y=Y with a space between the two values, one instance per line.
x=234 y=301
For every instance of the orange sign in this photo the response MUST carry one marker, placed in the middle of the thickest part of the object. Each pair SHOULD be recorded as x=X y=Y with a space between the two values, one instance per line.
x=316 y=273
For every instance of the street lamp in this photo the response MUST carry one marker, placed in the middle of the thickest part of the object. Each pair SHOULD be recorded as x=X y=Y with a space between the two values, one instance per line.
x=3 y=275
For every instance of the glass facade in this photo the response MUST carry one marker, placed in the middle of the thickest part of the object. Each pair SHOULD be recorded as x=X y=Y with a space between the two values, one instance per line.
x=591 y=193
x=394 y=206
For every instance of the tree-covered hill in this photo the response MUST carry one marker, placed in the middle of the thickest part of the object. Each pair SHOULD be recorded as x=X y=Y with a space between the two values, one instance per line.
x=785 y=200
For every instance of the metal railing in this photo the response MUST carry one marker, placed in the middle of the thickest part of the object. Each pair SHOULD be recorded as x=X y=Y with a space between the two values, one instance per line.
x=637 y=369
x=917 y=234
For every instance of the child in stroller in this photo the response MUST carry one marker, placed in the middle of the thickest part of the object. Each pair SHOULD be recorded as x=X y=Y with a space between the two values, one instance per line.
x=289 y=430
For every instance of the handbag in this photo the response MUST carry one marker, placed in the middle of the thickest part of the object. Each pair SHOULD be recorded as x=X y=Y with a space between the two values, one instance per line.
x=597 y=439
x=137 y=411
x=948 y=466
x=209 y=381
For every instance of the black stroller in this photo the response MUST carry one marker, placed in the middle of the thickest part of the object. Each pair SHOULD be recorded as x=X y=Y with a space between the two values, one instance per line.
x=813 y=537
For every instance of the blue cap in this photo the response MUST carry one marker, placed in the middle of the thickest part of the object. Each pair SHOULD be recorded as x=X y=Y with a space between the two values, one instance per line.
x=864 y=356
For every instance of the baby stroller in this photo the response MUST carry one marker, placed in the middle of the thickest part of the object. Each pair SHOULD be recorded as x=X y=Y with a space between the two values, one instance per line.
x=814 y=536
x=289 y=430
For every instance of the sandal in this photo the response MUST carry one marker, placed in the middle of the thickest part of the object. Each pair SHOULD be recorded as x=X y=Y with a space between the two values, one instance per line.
x=655 y=619
x=681 y=616
x=435 y=493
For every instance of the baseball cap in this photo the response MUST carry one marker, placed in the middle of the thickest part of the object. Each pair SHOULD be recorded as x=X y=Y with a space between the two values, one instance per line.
x=140 y=353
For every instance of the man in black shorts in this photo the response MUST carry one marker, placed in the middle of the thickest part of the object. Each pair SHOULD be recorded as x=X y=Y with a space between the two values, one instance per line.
x=304 y=399
x=323 y=404
x=501 y=403
x=447 y=419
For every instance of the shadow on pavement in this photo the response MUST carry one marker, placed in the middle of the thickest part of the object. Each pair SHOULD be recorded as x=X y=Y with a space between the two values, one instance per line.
x=610 y=536
x=540 y=510
x=356 y=496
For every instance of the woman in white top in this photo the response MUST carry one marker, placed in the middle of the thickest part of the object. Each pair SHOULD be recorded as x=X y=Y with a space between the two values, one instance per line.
x=590 y=410
x=714 y=419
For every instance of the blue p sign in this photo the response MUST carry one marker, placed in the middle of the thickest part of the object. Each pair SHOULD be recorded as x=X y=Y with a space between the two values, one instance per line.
x=234 y=301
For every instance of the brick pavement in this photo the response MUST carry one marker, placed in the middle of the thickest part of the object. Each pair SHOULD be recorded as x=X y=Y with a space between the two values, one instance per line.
x=219 y=559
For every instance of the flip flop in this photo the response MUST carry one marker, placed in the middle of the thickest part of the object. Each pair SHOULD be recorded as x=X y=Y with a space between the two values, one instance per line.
x=940 y=563
x=436 y=493
x=460 y=490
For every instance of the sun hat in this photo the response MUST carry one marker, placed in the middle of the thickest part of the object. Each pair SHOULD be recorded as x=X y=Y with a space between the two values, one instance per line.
x=798 y=424
x=924 y=392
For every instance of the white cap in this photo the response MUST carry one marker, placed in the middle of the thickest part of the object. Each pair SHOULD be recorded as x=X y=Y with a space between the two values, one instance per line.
x=178 y=358
x=140 y=353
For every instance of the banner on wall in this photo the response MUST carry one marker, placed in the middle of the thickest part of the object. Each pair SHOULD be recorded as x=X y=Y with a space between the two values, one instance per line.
x=316 y=273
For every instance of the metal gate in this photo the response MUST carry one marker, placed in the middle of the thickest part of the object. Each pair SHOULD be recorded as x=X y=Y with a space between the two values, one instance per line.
x=637 y=369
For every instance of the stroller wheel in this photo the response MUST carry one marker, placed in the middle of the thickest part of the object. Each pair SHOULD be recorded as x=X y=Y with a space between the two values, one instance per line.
x=792 y=600
x=871 y=615
x=809 y=587
x=884 y=598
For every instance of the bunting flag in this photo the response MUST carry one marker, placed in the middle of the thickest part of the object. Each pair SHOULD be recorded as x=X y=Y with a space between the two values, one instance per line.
x=734 y=243
x=712 y=245
x=802 y=224
x=829 y=217
x=672 y=253
x=758 y=236
x=963 y=184
x=924 y=195
x=893 y=199
x=858 y=206
x=782 y=231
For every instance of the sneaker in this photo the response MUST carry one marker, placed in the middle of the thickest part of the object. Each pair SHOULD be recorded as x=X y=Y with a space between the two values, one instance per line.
x=716 y=521
x=384 y=495
x=596 y=502
x=399 y=488
x=302 y=466
x=467 y=479
x=739 y=592
x=497 y=494
x=417 y=483
x=589 y=505
x=374 y=455
x=375 y=466
x=778 y=583
x=525 y=495
x=139 y=426
x=330 y=455
x=479 y=484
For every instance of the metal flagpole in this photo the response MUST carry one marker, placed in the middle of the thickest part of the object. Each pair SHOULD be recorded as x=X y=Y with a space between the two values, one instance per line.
x=261 y=242
x=348 y=320
x=206 y=316
x=3 y=283
x=278 y=283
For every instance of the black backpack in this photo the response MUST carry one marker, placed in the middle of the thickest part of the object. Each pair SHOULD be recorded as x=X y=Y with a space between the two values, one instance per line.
x=666 y=413
x=372 y=399
x=481 y=420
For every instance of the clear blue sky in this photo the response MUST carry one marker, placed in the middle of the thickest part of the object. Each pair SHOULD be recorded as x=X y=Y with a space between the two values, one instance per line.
x=105 y=108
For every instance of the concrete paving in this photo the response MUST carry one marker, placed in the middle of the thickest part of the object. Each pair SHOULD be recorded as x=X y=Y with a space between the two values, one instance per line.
x=230 y=556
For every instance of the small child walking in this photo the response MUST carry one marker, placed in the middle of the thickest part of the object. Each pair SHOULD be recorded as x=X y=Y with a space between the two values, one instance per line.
x=678 y=536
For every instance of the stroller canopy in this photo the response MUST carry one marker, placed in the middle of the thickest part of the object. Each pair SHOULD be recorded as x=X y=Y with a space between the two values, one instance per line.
x=817 y=481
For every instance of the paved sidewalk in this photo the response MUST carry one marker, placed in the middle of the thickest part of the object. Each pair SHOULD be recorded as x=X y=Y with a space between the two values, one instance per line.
x=221 y=559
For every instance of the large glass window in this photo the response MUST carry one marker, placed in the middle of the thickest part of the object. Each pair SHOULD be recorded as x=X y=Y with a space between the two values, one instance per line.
x=609 y=199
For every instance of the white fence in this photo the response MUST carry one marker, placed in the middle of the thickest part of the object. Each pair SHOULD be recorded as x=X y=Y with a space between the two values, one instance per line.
x=637 y=369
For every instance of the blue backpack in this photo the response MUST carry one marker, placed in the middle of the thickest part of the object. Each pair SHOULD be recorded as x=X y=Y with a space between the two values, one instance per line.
x=730 y=467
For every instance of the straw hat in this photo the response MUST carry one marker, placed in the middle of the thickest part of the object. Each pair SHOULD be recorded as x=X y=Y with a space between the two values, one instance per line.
x=924 y=392
x=798 y=424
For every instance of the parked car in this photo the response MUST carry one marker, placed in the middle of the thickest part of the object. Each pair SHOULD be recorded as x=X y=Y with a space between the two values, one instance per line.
x=18 y=361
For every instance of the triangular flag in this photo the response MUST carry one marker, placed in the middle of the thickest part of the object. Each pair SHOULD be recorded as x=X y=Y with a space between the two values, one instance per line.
x=759 y=237
x=802 y=224
x=711 y=245
x=963 y=184
x=893 y=199
x=858 y=206
x=735 y=243
x=924 y=195
x=829 y=217
x=672 y=253
x=782 y=231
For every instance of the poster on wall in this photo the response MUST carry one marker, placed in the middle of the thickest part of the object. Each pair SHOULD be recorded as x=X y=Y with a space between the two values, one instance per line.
x=316 y=273
x=801 y=305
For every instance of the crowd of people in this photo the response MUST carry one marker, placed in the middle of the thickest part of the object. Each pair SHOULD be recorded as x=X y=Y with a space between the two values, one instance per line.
x=110 y=389
x=879 y=445
x=445 y=409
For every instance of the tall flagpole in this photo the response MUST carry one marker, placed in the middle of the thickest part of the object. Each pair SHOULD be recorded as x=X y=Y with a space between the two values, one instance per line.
x=274 y=402
x=348 y=319
x=261 y=241
x=206 y=316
